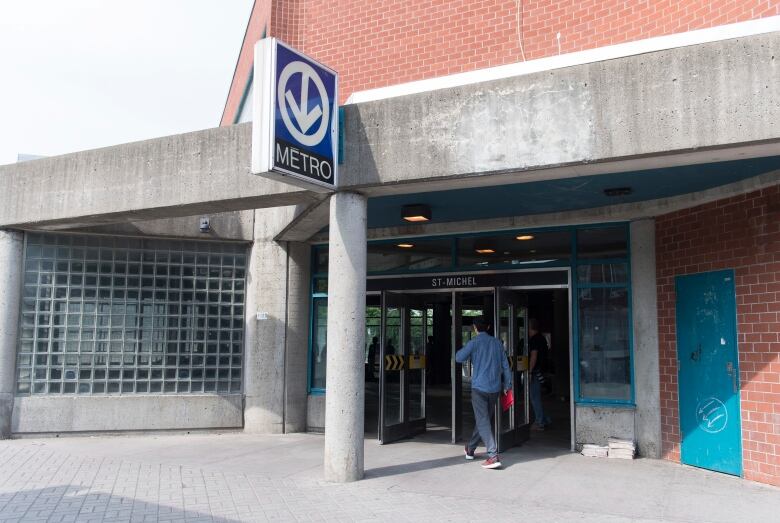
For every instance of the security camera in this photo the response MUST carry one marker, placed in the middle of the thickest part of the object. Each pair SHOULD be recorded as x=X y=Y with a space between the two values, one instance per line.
x=204 y=225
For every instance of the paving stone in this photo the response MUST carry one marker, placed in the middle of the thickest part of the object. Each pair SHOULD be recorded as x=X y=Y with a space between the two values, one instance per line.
x=58 y=482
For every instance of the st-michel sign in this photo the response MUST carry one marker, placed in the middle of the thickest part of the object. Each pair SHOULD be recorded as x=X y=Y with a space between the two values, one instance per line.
x=295 y=128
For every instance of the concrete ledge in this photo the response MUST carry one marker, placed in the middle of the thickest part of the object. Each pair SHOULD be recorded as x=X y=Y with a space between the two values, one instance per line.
x=203 y=172
x=595 y=424
x=46 y=414
x=236 y=225
x=315 y=414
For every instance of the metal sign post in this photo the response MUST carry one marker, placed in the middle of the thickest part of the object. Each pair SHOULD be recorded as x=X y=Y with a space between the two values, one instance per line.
x=295 y=129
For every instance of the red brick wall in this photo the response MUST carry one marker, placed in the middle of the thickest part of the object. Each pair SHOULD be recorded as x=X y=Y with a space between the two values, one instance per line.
x=375 y=43
x=257 y=25
x=740 y=233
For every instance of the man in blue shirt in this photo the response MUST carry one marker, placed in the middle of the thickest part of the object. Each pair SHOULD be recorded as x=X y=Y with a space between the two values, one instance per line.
x=489 y=366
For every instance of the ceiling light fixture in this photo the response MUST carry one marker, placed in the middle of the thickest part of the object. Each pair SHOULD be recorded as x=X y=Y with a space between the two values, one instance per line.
x=416 y=213
x=486 y=251
x=525 y=237
x=618 y=191
x=405 y=245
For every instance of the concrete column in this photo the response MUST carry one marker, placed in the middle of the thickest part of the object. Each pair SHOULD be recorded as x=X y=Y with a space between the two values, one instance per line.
x=275 y=347
x=10 y=293
x=346 y=338
x=298 y=324
x=647 y=421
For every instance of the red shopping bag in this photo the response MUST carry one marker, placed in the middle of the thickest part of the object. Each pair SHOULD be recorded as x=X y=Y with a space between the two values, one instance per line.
x=507 y=400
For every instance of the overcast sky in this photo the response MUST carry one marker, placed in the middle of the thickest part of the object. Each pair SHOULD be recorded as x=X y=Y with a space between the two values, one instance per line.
x=80 y=74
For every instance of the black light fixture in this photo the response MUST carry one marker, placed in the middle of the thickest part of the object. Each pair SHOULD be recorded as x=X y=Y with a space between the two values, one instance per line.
x=418 y=212
x=618 y=191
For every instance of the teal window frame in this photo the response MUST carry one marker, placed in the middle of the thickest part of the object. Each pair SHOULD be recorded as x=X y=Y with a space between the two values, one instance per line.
x=575 y=286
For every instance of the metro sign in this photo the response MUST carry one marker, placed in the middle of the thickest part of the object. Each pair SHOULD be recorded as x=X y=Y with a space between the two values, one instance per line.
x=295 y=129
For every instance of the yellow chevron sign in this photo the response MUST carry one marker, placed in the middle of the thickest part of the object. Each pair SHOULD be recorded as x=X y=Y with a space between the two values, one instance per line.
x=393 y=362
x=522 y=363
x=417 y=362
x=518 y=363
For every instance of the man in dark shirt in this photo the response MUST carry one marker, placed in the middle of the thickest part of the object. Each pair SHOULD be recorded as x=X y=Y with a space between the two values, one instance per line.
x=537 y=346
x=371 y=362
x=490 y=376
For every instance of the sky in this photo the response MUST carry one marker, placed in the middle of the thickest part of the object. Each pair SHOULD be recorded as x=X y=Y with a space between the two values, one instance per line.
x=82 y=74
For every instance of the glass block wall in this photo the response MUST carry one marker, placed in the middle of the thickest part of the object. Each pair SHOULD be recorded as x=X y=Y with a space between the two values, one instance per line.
x=114 y=315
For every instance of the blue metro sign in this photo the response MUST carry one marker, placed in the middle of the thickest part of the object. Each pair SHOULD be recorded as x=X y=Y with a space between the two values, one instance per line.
x=295 y=128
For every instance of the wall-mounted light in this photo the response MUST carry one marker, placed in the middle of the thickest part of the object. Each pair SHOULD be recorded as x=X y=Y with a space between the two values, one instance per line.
x=405 y=245
x=525 y=237
x=485 y=250
x=417 y=212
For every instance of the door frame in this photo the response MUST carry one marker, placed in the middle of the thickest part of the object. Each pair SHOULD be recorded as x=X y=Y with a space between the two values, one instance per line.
x=456 y=290
x=513 y=300
x=407 y=427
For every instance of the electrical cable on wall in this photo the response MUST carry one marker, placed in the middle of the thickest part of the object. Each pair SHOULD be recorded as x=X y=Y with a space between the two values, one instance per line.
x=519 y=25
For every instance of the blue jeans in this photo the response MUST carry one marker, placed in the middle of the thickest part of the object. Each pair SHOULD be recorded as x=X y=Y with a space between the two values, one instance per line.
x=536 y=402
x=484 y=404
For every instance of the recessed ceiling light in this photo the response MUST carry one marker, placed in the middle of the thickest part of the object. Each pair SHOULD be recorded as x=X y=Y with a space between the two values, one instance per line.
x=525 y=237
x=486 y=251
x=416 y=213
x=405 y=245
x=533 y=251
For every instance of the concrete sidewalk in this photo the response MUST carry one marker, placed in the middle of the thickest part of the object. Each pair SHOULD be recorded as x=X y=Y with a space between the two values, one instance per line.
x=238 y=477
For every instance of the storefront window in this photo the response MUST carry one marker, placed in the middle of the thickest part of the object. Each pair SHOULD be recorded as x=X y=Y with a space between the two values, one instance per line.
x=319 y=343
x=604 y=352
x=515 y=250
x=320 y=265
x=603 y=273
x=321 y=286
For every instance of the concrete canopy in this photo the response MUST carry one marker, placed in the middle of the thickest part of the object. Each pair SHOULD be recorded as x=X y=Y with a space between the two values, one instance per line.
x=704 y=103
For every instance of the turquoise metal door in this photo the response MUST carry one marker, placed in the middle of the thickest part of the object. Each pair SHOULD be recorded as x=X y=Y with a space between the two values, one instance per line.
x=708 y=371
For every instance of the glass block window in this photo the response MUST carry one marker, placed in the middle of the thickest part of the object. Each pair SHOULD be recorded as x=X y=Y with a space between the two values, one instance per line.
x=111 y=315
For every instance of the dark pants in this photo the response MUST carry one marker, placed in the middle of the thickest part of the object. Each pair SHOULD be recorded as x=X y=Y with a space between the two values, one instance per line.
x=484 y=404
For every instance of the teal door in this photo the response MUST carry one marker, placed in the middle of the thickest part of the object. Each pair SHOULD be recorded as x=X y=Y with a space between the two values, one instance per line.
x=708 y=371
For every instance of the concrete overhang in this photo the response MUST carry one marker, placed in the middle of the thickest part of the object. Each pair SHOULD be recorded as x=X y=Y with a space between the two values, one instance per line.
x=711 y=102
x=181 y=175
x=703 y=103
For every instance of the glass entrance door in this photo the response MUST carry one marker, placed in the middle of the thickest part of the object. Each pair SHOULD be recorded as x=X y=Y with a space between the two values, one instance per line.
x=511 y=320
x=466 y=307
x=456 y=369
x=403 y=360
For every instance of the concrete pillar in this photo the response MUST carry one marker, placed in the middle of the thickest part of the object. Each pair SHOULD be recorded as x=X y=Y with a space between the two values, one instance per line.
x=298 y=324
x=647 y=420
x=276 y=342
x=10 y=293
x=346 y=338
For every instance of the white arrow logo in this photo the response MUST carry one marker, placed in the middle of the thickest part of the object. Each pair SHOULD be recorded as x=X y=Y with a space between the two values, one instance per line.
x=300 y=109
x=304 y=118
